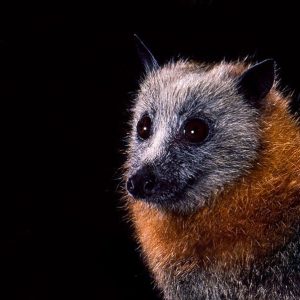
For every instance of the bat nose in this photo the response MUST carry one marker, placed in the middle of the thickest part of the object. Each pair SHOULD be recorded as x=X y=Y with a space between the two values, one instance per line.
x=142 y=184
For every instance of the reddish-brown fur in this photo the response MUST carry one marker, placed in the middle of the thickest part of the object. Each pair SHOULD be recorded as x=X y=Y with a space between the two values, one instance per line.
x=247 y=221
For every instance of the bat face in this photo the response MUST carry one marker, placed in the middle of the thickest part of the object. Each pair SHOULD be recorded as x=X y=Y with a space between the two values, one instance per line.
x=192 y=133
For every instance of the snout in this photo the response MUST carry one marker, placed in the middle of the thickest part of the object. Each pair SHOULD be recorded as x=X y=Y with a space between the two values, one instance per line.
x=152 y=185
x=143 y=184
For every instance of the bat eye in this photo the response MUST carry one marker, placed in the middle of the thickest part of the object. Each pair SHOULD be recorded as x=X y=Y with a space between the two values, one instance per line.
x=195 y=130
x=144 y=127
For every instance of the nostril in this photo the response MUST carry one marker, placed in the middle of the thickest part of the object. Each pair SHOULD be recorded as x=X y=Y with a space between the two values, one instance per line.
x=142 y=184
x=191 y=181
x=149 y=186
x=130 y=185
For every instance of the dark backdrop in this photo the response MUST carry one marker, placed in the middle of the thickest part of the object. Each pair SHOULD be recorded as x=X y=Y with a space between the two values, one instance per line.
x=67 y=74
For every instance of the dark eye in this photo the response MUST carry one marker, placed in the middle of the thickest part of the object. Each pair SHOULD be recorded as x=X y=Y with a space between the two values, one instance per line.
x=143 y=127
x=195 y=130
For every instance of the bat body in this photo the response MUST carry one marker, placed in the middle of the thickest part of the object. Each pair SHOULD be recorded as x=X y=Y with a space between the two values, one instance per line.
x=213 y=181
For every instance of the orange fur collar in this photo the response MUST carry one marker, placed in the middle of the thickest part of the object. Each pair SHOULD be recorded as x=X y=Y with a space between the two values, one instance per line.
x=247 y=221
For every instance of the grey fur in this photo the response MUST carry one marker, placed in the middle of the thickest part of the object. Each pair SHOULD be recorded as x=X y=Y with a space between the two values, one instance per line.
x=277 y=277
x=170 y=96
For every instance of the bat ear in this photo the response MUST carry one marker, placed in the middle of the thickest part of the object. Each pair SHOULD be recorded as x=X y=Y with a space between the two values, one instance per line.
x=256 y=82
x=147 y=58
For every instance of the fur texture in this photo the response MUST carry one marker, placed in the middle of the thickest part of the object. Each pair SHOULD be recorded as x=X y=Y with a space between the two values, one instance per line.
x=227 y=224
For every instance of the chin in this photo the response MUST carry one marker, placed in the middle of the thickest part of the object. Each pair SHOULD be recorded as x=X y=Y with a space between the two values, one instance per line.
x=182 y=202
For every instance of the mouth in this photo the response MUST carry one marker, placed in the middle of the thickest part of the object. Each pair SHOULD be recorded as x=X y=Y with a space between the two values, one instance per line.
x=167 y=193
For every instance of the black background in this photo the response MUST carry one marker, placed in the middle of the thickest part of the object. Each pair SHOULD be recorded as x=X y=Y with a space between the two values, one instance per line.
x=67 y=74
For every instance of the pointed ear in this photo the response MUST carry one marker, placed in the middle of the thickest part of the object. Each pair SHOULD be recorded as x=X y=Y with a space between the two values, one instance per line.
x=147 y=58
x=256 y=82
